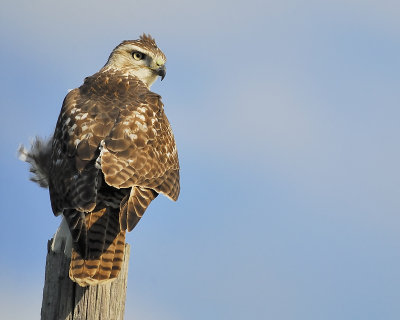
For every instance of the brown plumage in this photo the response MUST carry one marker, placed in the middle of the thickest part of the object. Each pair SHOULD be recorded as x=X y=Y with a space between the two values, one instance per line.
x=112 y=153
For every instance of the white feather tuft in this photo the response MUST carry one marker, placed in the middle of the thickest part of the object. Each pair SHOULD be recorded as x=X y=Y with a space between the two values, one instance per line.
x=22 y=153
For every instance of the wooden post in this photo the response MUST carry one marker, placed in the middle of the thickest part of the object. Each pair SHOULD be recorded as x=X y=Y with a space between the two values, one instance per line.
x=63 y=299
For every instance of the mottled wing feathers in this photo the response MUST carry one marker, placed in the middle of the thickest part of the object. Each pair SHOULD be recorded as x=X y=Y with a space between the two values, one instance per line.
x=74 y=180
x=134 y=205
x=140 y=149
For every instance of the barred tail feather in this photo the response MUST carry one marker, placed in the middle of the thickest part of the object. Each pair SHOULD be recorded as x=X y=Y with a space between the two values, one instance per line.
x=104 y=250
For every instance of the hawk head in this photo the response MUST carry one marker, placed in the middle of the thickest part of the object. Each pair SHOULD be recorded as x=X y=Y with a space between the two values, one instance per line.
x=140 y=58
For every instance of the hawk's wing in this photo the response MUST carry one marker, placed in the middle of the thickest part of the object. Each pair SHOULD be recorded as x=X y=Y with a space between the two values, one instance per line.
x=140 y=149
x=73 y=182
x=121 y=117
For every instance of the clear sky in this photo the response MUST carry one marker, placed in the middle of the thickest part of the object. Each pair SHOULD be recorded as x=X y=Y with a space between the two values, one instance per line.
x=286 y=116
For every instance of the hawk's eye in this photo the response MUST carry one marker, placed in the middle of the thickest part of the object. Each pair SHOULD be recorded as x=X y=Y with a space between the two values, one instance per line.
x=138 y=55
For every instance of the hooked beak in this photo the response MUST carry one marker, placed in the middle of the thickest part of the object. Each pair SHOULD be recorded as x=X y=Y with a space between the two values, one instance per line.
x=161 y=71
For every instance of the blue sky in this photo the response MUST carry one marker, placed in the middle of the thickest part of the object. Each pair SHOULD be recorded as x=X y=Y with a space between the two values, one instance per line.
x=286 y=117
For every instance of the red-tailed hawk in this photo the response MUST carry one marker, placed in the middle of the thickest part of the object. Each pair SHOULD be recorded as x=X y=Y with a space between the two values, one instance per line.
x=112 y=153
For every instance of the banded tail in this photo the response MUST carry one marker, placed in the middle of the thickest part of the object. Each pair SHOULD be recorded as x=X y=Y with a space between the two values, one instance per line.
x=99 y=237
x=99 y=247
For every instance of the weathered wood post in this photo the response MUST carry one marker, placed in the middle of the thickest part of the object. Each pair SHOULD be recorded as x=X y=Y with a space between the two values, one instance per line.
x=63 y=299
